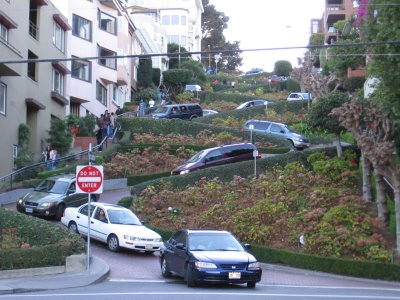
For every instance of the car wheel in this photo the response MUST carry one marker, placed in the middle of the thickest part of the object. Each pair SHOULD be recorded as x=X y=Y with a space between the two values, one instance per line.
x=59 y=211
x=113 y=243
x=165 y=272
x=251 y=284
x=189 y=277
x=292 y=144
x=193 y=117
x=72 y=227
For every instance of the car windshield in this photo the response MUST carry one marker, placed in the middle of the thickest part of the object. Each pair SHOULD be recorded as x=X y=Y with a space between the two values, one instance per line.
x=117 y=216
x=289 y=129
x=161 y=110
x=214 y=242
x=52 y=186
x=197 y=157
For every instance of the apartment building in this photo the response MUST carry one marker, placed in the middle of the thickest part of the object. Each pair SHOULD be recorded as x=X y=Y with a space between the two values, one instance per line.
x=31 y=92
x=336 y=10
x=180 y=18
x=100 y=30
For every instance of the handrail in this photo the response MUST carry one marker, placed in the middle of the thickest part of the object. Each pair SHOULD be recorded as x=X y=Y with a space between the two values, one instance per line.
x=10 y=178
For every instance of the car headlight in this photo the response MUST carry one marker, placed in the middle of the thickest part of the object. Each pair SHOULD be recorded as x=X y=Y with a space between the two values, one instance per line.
x=158 y=240
x=131 y=238
x=46 y=204
x=254 y=266
x=184 y=172
x=20 y=202
x=204 y=265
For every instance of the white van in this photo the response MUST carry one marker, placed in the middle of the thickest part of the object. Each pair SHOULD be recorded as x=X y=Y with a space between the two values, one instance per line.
x=299 y=96
x=192 y=88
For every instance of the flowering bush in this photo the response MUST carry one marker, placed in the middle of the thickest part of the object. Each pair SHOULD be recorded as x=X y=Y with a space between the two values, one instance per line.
x=275 y=209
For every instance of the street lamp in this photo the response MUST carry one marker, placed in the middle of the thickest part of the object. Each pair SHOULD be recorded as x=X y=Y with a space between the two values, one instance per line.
x=209 y=57
x=217 y=57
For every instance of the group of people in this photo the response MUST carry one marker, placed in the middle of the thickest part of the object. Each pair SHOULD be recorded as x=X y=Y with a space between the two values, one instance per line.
x=105 y=126
x=50 y=157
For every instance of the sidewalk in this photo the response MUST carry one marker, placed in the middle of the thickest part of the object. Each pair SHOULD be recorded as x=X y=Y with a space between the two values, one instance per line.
x=30 y=282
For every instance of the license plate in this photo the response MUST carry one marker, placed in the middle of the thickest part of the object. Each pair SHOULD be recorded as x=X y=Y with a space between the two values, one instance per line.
x=29 y=210
x=234 y=275
x=149 y=246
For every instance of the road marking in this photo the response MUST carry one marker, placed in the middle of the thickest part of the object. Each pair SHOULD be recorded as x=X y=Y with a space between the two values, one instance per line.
x=206 y=294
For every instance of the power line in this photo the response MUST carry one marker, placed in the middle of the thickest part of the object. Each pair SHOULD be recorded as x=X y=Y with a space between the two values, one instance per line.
x=205 y=53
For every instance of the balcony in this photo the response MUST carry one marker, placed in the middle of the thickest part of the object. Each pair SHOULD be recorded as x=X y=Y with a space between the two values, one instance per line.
x=109 y=3
x=12 y=53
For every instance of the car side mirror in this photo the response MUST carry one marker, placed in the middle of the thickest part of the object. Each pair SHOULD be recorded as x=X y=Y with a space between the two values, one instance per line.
x=247 y=246
x=282 y=131
x=180 y=246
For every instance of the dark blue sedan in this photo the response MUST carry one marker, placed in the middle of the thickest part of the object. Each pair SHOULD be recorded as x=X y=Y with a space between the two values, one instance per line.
x=209 y=256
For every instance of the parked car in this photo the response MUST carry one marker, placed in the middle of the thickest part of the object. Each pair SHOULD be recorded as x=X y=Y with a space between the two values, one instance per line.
x=252 y=103
x=209 y=256
x=217 y=156
x=299 y=96
x=192 y=88
x=275 y=79
x=178 y=111
x=279 y=130
x=112 y=224
x=207 y=112
x=52 y=195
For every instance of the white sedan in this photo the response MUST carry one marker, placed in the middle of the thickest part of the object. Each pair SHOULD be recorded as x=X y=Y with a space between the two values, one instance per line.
x=112 y=224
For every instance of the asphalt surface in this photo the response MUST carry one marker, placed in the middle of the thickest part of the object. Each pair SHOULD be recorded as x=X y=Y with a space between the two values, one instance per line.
x=130 y=265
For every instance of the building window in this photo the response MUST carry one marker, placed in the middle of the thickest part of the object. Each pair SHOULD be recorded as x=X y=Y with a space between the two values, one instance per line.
x=58 y=82
x=107 y=22
x=174 y=39
x=81 y=27
x=165 y=20
x=59 y=37
x=183 y=40
x=3 y=32
x=174 y=20
x=15 y=155
x=183 y=20
x=32 y=70
x=81 y=69
x=3 y=98
x=101 y=93
x=107 y=62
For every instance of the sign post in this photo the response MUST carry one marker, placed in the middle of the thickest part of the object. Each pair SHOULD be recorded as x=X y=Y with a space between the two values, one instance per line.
x=251 y=127
x=89 y=179
x=255 y=155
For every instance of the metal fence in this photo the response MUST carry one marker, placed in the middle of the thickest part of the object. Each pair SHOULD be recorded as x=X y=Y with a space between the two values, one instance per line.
x=10 y=181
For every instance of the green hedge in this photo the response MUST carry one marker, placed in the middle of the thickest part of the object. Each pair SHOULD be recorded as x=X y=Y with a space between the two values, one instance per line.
x=134 y=180
x=49 y=245
x=357 y=268
x=228 y=97
x=166 y=126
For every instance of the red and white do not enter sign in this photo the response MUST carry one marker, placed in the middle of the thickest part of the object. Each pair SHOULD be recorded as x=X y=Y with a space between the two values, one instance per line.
x=89 y=179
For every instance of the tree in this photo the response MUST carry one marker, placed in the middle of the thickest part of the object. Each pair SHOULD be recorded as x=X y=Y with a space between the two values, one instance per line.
x=318 y=116
x=60 y=136
x=213 y=24
x=316 y=39
x=382 y=26
x=177 y=55
x=198 y=75
x=176 y=79
x=24 y=156
x=374 y=133
x=145 y=72
x=282 y=68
